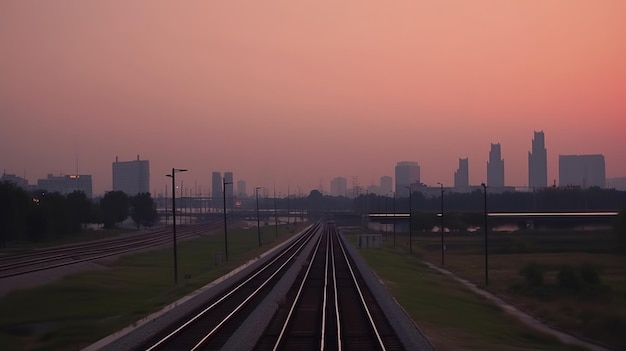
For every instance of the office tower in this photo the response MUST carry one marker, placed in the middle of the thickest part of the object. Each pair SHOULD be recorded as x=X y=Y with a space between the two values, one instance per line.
x=407 y=173
x=538 y=162
x=582 y=170
x=131 y=177
x=66 y=184
x=229 y=189
x=241 y=189
x=495 y=167
x=339 y=186
x=386 y=185
x=217 y=192
x=461 y=176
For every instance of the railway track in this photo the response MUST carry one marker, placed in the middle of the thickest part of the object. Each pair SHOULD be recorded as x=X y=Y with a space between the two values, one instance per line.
x=329 y=308
x=209 y=326
x=43 y=259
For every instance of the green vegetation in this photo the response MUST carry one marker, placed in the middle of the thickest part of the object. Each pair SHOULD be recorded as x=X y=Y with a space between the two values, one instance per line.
x=619 y=229
x=570 y=279
x=450 y=315
x=80 y=309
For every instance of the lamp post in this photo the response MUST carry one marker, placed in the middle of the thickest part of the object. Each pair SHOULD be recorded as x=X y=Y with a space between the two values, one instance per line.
x=394 y=219
x=486 y=247
x=258 y=221
x=275 y=213
x=441 y=225
x=410 y=220
x=225 y=221
x=172 y=175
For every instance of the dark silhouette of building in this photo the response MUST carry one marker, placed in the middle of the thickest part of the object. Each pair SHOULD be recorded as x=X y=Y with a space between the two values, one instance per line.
x=339 y=186
x=495 y=167
x=66 y=184
x=582 y=170
x=461 y=176
x=407 y=173
x=131 y=177
x=241 y=189
x=229 y=189
x=538 y=162
x=386 y=185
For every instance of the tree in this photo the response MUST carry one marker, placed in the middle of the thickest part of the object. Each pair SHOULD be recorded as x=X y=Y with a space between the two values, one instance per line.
x=15 y=203
x=115 y=208
x=143 y=210
x=81 y=209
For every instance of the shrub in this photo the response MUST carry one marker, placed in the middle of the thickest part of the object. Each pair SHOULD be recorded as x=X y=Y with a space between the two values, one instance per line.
x=533 y=273
x=568 y=280
x=589 y=274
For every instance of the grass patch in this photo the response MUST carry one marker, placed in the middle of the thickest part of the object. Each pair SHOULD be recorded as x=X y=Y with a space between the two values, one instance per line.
x=451 y=316
x=80 y=309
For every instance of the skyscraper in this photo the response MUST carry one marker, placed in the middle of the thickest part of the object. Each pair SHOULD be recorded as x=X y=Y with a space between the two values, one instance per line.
x=217 y=192
x=407 y=173
x=461 y=176
x=131 y=177
x=538 y=162
x=386 y=185
x=241 y=189
x=582 y=170
x=495 y=167
x=339 y=186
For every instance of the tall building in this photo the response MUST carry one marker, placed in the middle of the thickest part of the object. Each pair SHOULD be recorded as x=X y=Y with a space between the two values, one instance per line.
x=495 y=167
x=386 y=185
x=66 y=184
x=407 y=173
x=131 y=177
x=538 y=162
x=461 y=176
x=229 y=189
x=241 y=189
x=217 y=192
x=339 y=186
x=582 y=170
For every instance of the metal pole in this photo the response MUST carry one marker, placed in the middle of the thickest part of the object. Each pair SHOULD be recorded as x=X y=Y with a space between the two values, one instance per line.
x=275 y=213
x=225 y=220
x=394 y=219
x=441 y=225
x=410 y=221
x=174 y=226
x=258 y=221
x=486 y=247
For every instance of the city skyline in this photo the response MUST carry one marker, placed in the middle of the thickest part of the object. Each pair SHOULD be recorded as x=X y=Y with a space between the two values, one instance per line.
x=286 y=94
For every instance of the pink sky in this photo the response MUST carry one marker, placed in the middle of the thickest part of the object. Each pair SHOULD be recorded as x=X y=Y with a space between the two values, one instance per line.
x=295 y=92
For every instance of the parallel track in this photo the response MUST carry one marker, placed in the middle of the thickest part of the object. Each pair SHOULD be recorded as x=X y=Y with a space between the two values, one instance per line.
x=211 y=325
x=330 y=308
x=43 y=259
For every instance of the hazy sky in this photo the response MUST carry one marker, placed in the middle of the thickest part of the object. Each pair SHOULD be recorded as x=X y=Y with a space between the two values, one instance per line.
x=299 y=92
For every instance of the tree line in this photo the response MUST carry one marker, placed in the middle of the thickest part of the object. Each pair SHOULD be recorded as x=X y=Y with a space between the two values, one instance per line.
x=40 y=215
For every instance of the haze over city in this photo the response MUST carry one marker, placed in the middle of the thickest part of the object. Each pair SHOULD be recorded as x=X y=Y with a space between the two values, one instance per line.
x=283 y=92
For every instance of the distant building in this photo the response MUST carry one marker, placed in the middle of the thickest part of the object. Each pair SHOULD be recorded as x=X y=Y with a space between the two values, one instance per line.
x=66 y=184
x=407 y=173
x=495 y=167
x=241 y=189
x=618 y=183
x=131 y=177
x=18 y=181
x=339 y=186
x=229 y=189
x=216 y=190
x=461 y=176
x=386 y=185
x=582 y=170
x=538 y=162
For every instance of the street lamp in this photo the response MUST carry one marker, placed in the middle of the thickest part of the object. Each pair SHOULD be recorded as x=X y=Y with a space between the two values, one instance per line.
x=225 y=225
x=275 y=213
x=258 y=221
x=410 y=220
x=486 y=251
x=172 y=175
x=442 y=245
x=394 y=219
